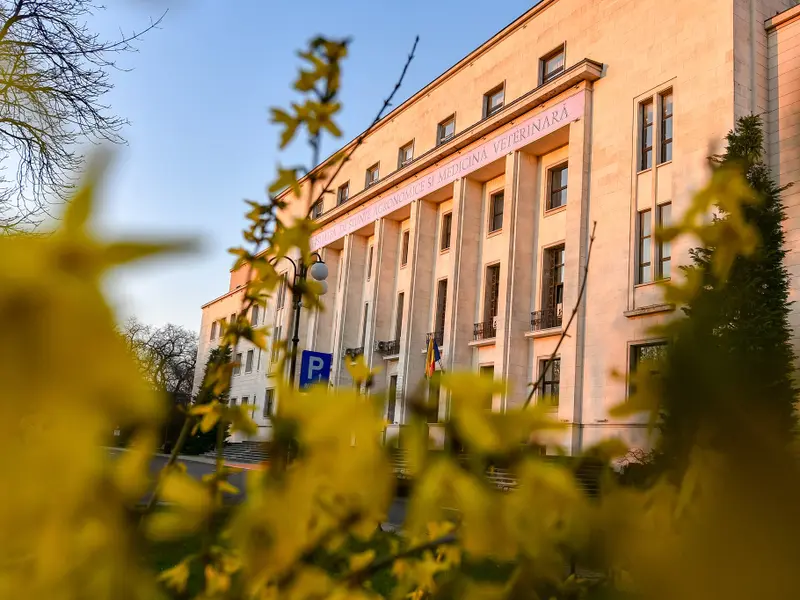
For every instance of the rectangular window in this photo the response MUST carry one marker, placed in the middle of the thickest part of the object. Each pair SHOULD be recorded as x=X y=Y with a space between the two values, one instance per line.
x=405 y=155
x=232 y=402
x=248 y=365
x=551 y=65
x=446 y=130
x=245 y=400
x=276 y=338
x=644 y=251
x=398 y=324
x=666 y=128
x=281 y=292
x=487 y=371
x=493 y=101
x=343 y=193
x=441 y=307
x=491 y=293
x=557 y=195
x=434 y=393
x=213 y=330
x=646 y=135
x=496 y=211
x=553 y=286
x=373 y=174
x=447 y=230
x=369 y=262
x=404 y=250
x=254 y=315
x=391 y=400
x=548 y=395
x=237 y=367
x=364 y=326
x=664 y=247
x=650 y=354
x=269 y=403
x=258 y=360
x=233 y=318
x=316 y=209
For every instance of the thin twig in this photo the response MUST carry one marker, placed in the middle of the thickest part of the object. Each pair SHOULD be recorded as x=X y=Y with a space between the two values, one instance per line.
x=569 y=322
x=360 y=139
x=361 y=574
x=187 y=426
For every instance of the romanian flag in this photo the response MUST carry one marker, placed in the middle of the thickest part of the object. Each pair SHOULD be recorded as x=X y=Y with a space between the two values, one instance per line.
x=432 y=358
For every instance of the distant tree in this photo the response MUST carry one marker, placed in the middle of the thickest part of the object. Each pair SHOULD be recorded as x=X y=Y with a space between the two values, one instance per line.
x=166 y=355
x=53 y=80
x=740 y=324
x=203 y=442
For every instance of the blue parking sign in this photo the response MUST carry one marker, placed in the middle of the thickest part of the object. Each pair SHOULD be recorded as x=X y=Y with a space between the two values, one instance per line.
x=314 y=367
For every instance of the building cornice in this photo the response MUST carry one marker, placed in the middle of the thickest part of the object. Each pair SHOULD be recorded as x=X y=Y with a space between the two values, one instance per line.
x=465 y=62
x=586 y=70
x=241 y=288
x=782 y=19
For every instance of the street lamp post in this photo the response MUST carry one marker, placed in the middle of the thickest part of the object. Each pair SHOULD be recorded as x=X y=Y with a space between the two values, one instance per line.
x=319 y=272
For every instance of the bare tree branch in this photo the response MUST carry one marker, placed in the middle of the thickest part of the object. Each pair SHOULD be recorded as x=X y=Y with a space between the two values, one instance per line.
x=53 y=77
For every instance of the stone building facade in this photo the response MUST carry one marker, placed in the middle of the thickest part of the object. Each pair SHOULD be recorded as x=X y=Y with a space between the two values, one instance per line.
x=467 y=212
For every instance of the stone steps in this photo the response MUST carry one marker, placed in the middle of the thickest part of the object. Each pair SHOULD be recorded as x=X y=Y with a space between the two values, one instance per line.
x=243 y=452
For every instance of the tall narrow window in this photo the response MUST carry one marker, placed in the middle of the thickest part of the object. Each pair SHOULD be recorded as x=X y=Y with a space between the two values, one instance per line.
x=434 y=393
x=644 y=227
x=316 y=209
x=550 y=382
x=364 y=327
x=493 y=101
x=343 y=193
x=441 y=310
x=269 y=403
x=551 y=65
x=369 y=262
x=404 y=250
x=213 y=330
x=373 y=174
x=248 y=365
x=496 y=211
x=245 y=400
x=487 y=371
x=650 y=354
x=552 y=287
x=447 y=230
x=664 y=246
x=276 y=338
x=405 y=155
x=557 y=195
x=492 y=294
x=398 y=324
x=646 y=135
x=446 y=130
x=233 y=318
x=391 y=400
x=281 y=292
x=237 y=367
x=666 y=128
x=254 y=315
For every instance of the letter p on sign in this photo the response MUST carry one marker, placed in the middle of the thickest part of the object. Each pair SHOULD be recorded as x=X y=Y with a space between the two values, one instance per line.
x=315 y=367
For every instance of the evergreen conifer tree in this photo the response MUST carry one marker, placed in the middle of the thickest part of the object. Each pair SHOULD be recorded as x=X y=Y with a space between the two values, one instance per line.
x=741 y=325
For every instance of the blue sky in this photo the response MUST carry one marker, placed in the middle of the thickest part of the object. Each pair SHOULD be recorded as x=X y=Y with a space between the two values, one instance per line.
x=200 y=141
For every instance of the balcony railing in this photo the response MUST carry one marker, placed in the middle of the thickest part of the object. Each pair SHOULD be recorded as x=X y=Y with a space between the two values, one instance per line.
x=353 y=352
x=485 y=331
x=438 y=337
x=546 y=319
x=388 y=347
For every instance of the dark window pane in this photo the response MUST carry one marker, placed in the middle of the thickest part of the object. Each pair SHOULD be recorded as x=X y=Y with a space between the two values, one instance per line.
x=447 y=226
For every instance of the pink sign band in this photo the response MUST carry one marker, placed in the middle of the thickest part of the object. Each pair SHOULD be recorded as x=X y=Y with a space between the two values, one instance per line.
x=541 y=124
